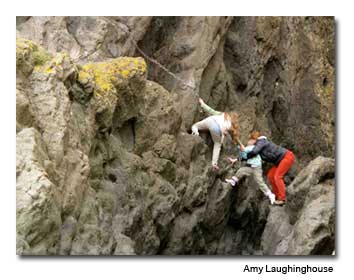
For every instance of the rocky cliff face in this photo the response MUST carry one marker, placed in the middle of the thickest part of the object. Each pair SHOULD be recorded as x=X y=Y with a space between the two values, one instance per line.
x=105 y=163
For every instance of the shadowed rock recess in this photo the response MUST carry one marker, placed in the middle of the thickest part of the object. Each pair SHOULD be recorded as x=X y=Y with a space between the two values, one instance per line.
x=105 y=162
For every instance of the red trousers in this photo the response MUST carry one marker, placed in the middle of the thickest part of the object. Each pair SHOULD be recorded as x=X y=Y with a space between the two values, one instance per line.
x=276 y=175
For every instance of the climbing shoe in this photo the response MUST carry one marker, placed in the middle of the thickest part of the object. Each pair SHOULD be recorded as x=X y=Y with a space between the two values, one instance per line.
x=233 y=181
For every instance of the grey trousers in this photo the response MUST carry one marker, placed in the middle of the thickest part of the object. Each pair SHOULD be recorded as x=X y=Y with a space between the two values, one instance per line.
x=257 y=174
x=210 y=124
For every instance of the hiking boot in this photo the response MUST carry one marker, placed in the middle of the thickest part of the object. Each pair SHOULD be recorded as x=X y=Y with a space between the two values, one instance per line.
x=279 y=202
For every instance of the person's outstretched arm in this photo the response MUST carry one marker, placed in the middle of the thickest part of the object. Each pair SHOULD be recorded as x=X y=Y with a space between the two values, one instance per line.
x=208 y=109
x=257 y=148
x=245 y=152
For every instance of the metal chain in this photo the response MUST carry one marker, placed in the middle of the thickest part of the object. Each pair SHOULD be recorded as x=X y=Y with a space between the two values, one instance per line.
x=152 y=60
x=162 y=67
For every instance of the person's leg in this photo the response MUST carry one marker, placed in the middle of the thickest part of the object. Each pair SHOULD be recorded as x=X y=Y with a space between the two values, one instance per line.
x=206 y=124
x=271 y=180
x=210 y=124
x=259 y=180
x=202 y=125
x=281 y=170
x=216 y=137
x=262 y=185
x=241 y=173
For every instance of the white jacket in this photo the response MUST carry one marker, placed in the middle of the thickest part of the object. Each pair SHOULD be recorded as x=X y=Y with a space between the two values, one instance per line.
x=225 y=125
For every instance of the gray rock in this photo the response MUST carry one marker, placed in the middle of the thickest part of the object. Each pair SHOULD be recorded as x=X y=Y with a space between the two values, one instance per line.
x=38 y=213
x=105 y=163
x=307 y=225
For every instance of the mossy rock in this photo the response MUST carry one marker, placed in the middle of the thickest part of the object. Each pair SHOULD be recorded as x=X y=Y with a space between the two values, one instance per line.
x=109 y=75
x=110 y=82
x=29 y=55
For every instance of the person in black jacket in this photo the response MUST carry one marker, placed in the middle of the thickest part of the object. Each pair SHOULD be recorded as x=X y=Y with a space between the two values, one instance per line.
x=282 y=159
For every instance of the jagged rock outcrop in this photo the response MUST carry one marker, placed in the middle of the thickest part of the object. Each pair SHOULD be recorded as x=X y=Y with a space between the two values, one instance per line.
x=304 y=226
x=307 y=226
x=105 y=164
x=112 y=157
x=277 y=71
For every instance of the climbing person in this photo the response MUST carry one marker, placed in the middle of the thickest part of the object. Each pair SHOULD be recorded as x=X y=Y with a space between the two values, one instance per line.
x=218 y=124
x=254 y=167
x=282 y=159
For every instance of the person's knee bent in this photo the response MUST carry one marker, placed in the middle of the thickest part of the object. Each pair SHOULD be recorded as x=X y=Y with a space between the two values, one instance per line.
x=194 y=128
x=243 y=172
x=239 y=174
x=278 y=177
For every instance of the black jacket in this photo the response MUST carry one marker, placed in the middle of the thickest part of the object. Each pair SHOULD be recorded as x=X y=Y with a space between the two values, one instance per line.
x=268 y=151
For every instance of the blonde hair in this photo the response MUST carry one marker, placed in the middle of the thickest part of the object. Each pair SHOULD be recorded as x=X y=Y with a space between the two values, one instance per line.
x=233 y=118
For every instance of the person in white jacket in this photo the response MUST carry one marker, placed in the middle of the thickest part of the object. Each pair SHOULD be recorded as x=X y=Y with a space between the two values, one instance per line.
x=218 y=124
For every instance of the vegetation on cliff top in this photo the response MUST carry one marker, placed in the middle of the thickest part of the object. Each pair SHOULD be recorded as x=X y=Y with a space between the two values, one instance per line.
x=107 y=76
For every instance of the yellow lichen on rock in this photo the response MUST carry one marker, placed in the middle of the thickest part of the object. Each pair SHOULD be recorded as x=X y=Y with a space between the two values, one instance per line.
x=108 y=75
x=53 y=65
x=23 y=48
x=109 y=81
x=34 y=57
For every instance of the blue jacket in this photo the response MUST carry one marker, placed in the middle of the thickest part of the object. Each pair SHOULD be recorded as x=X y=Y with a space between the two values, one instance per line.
x=255 y=161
